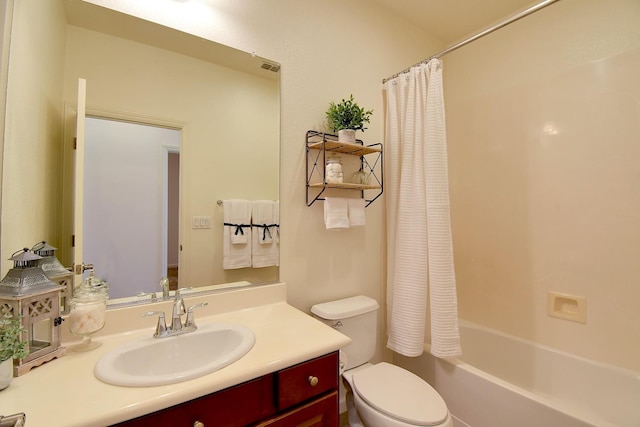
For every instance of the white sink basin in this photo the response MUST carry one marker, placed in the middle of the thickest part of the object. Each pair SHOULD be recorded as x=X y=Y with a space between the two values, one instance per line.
x=152 y=361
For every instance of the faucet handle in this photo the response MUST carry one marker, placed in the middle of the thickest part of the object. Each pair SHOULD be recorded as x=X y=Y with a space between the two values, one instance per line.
x=161 y=328
x=190 y=319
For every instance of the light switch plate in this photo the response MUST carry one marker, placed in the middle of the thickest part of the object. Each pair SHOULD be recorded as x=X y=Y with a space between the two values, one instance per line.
x=201 y=222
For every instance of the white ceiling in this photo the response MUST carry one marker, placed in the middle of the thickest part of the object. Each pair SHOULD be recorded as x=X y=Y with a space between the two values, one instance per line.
x=104 y=20
x=452 y=20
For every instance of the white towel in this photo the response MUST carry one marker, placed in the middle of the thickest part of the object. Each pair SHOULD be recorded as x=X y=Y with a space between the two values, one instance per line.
x=265 y=251
x=336 y=213
x=356 y=212
x=236 y=236
x=262 y=220
x=237 y=220
x=276 y=219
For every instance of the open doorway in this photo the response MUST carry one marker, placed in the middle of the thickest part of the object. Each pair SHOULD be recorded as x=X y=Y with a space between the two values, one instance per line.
x=173 y=213
x=131 y=203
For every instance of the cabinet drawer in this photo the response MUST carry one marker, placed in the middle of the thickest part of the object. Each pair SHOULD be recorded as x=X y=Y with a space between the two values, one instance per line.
x=322 y=412
x=243 y=404
x=306 y=380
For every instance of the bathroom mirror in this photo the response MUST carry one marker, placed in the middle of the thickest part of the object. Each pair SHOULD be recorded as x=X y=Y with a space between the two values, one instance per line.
x=223 y=103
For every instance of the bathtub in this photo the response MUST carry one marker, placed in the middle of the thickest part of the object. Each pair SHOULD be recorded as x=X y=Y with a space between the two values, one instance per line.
x=504 y=381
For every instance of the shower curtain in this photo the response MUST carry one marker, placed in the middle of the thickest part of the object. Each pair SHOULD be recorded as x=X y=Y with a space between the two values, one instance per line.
x=420 y=252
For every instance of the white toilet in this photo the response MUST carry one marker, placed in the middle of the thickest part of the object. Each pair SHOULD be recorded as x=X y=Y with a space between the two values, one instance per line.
x=381 y=395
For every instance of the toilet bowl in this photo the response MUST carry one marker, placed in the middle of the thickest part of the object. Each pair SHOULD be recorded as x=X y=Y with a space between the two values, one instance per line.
x=378 y=395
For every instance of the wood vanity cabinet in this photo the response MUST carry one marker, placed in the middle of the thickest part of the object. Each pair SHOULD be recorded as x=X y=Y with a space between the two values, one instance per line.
x=302 y=395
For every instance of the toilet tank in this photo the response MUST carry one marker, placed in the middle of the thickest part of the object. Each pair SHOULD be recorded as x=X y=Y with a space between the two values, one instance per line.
x=356 y=317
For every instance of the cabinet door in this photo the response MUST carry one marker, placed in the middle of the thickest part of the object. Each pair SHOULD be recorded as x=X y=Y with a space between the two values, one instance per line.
x=238 y=406
x=322 y=412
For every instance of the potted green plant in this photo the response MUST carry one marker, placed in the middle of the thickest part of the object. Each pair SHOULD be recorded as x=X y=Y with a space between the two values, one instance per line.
x=11 y=347
x=346 y=118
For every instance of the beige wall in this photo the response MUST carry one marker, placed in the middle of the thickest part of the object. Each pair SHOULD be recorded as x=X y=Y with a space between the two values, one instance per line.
x=543 y=136
x=231 y=139
x=31 y=189
x=541 y=131
x=328 y=50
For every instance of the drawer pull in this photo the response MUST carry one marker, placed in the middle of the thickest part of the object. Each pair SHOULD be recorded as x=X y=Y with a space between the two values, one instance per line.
x=313 y=381
x=198 y=424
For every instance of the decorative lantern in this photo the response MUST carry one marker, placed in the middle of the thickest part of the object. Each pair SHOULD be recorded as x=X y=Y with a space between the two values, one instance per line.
x=27 y=292
x=56 y=272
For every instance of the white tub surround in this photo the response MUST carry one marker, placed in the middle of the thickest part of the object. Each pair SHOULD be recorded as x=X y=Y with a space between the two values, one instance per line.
x=65 y=392
x=506 y=381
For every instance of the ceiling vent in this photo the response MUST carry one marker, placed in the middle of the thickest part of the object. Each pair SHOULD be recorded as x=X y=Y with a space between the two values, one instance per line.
x=271 y=67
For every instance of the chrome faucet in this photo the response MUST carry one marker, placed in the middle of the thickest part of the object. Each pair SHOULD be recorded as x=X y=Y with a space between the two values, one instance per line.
x=176 y=327
x=164 y=285
x=178 y=311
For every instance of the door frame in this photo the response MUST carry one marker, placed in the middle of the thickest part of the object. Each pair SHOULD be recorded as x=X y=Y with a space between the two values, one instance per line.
x=67 y=217
x=166 y=151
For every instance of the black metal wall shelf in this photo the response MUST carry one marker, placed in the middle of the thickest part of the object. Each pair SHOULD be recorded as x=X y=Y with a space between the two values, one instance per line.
x=318 y=144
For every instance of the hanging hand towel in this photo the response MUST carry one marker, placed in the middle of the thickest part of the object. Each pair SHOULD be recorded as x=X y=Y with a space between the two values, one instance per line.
x=237 y=220
x=356 y=212
x=236 y=235
x=264 y=250
x=336 y=213
x=276 y=219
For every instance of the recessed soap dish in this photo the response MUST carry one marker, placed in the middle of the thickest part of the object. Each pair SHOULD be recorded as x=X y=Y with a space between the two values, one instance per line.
x=568 y=307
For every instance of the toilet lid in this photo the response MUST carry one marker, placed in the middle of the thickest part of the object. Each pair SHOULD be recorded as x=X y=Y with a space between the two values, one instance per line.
x=400 y=394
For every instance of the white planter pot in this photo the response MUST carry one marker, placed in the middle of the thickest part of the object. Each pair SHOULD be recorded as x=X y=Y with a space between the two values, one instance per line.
x=6 y=373
x=347 y=136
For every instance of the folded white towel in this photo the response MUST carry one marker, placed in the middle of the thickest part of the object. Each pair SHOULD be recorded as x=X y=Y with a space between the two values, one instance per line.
x=263 y=222
x=356 y=212
x=265 y=252
x=237 y=220
x=336 y=213
x=236 y=235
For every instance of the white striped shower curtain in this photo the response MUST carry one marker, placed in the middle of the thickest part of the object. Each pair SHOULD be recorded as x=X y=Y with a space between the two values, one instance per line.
x=420 y=267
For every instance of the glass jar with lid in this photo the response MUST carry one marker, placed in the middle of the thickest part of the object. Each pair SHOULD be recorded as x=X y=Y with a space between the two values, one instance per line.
x=334 y=174
x=87 y=311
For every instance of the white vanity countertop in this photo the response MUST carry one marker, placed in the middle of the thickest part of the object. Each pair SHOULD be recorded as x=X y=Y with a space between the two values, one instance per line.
x=64 y=392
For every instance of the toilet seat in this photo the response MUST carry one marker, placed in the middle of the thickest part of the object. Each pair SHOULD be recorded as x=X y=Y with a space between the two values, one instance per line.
x=393 y=391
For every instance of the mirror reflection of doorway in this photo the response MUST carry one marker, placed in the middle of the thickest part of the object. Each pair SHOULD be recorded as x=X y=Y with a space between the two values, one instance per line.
x=173 y=213
x=130 y=204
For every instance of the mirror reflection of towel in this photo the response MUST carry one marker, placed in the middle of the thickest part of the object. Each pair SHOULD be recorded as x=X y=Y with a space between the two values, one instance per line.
x=265 y=251
x=237 y=220
x=276 y=219
x=236 y=246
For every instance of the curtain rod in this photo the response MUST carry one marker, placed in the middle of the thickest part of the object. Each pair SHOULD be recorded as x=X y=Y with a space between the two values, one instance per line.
x=476 y=36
